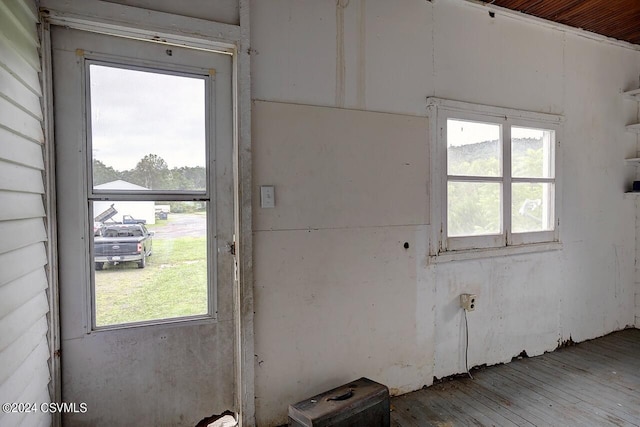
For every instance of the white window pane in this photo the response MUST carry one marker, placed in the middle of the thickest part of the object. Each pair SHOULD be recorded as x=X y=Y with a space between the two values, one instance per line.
x=532 y=207
x=531 y=152
x=150 y=261
x=473 y=148
x=148 y=130
x=473 y=208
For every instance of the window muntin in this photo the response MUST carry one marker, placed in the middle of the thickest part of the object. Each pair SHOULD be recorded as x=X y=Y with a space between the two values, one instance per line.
x=525 y=189
x=149 y=160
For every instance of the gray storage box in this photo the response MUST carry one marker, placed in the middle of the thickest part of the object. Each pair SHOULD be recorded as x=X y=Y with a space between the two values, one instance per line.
x=359 y=403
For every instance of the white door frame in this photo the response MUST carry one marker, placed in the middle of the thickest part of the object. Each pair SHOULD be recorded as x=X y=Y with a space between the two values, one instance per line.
x=159 y=27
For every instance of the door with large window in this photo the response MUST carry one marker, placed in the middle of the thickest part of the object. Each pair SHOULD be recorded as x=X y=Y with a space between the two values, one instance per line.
x=144 y=143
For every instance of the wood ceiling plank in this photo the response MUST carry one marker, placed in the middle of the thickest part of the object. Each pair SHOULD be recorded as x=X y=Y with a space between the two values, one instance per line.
x=619 y=19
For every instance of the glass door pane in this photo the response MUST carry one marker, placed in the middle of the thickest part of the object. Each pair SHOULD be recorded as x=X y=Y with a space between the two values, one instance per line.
x=150 y=261
x=148 y=130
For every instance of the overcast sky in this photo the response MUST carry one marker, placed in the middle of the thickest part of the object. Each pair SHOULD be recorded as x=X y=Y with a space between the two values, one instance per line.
x=135 y=113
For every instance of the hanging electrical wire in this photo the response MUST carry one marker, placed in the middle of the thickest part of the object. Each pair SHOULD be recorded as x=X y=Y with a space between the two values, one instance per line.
x=466 y=347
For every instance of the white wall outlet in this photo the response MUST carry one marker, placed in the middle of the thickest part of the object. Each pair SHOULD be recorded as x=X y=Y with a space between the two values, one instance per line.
x=468 y=301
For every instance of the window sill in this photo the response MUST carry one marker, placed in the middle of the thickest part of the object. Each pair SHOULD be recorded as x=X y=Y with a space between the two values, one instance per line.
x=470 y=254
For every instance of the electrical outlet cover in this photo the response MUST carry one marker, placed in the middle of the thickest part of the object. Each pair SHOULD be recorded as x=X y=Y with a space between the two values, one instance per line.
x=468 y=301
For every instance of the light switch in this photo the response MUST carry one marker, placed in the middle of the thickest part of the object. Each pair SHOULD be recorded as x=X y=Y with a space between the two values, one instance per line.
x=267 y=196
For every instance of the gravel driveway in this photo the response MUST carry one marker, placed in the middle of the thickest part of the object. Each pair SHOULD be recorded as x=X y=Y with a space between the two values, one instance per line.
x=181 y=225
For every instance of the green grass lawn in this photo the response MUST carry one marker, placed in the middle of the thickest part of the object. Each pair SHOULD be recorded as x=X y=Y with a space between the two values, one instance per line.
x=173 y=284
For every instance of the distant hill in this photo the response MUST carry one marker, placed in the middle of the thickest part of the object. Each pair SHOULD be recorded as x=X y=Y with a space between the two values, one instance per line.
x=487 y=149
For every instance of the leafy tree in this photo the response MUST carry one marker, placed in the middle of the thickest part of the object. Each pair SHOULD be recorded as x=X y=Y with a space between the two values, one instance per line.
x=196 y=176
x=474 y=208
x=103 y=173
x=151 y=172
x=188 y=178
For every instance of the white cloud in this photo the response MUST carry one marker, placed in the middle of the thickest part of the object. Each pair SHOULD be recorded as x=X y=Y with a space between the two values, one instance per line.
x=135 y=113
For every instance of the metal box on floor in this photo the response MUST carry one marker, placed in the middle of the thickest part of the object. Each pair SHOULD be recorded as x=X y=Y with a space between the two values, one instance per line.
x=359 y=403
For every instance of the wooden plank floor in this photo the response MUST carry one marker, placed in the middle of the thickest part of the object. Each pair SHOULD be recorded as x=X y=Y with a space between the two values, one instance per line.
x=595 y=383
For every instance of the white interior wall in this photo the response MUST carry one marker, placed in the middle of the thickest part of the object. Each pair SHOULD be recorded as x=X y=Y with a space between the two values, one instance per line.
x=599 y=250
x=331 y=256
x=336 y=297
x=24 y=351
x=636 y=119
x=224 y=11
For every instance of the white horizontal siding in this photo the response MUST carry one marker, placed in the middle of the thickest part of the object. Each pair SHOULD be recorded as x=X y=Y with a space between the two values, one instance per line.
x=30 y=370
x=15 y=177
x=40 y=419
x=19 y=262
x=20 y=205
x=24 y=349
x=19 y=121
x=20 y=233
x=14 y=355
x=20 y=94
x=13 y=324
x=34 y=391
x=21 y=12
x=27 y=381
x=18 y=65
x=16 y=149
x=29 y=6
x=20 y=291
x=23 y=40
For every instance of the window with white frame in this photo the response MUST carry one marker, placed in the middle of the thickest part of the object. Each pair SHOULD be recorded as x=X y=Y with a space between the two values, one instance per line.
x=494 y=175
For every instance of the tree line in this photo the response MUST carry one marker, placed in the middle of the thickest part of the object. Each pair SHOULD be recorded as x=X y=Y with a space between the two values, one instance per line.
x=475 y=208
x=152 y=172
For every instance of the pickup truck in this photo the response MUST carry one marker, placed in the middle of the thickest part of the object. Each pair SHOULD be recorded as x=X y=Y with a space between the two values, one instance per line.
x=117 y=243
x=128 y=219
